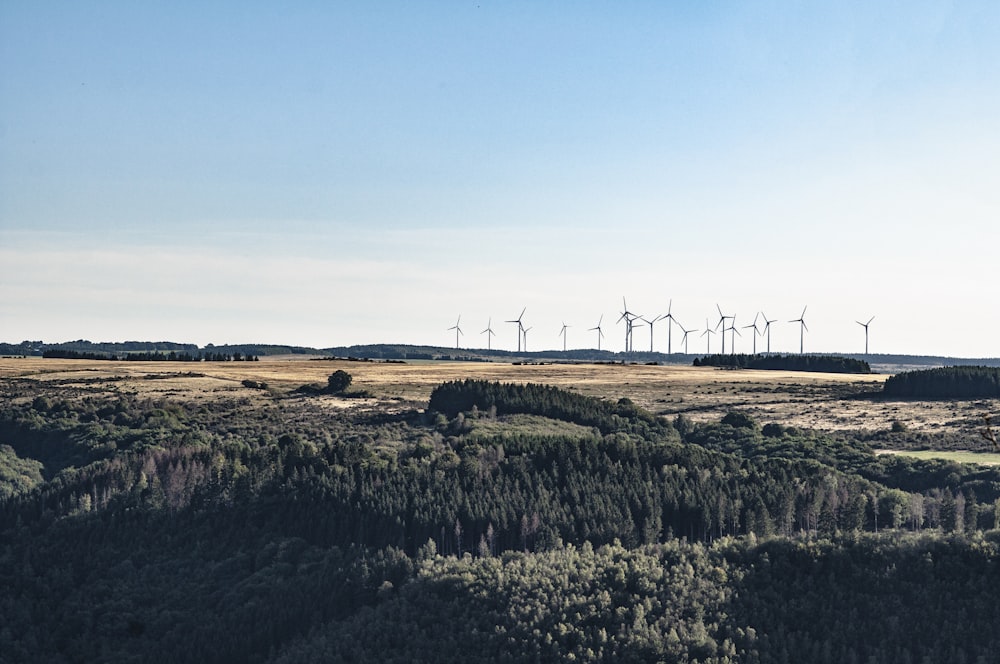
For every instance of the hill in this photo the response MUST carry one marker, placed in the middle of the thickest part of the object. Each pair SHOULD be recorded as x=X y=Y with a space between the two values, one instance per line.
x=496 y=520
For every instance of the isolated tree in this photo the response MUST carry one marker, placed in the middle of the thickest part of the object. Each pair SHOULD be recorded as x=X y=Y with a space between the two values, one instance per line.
x=338 y=381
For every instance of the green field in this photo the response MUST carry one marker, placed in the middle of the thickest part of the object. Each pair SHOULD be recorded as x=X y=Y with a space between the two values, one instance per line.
x=982 y=458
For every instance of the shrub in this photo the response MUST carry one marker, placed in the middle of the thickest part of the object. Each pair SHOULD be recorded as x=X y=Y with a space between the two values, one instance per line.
x=338 y=381
x=739 y=420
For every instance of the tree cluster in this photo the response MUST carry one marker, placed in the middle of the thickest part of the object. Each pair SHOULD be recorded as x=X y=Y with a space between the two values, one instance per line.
x=819 y=363
x=962 y=382
x=154 y=356
x=454 y=397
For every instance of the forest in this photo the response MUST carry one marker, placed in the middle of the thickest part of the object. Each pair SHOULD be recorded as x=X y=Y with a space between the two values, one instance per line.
x=506 y=522
x=777 y=362
x=956 y=382
x=154 y=356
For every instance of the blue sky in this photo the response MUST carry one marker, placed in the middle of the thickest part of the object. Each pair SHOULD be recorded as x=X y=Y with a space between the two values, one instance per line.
x=339 y=173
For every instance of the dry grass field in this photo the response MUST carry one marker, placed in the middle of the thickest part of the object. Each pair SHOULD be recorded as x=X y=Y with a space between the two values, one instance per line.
x=821 y=401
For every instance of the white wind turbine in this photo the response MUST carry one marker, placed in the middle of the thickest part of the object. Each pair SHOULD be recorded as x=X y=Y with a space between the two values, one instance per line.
x=629 y=319
x=801 y=320
x=457 y=329
x=722 y=323
x=520 y=328
x=756 y=332
x=651 y=323
x=865 y=325
x=671 y=322
x=708 y=332
x=767 y=330
x=684 y=339
x=600 y=332
x=489 y=333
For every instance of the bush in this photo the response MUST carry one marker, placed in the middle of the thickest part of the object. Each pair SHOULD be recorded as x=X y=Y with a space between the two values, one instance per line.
x=773 y=430
x=739 y=420
x=338 y=381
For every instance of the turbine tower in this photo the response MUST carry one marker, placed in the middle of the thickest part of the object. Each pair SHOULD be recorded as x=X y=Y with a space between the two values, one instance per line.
x=525 y=334
x=520 y=327
x=767 y=330
x=801 y=320
x=457 y=329
x=865 y=325
x=562 y=333
x=600 y=332
x=489 y=333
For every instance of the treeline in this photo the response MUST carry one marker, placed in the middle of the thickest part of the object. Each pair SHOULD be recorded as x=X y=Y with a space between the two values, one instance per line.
x=959 y=382
x=819 y=363
x=172 y=356
x=102 y=350
x=454 y=397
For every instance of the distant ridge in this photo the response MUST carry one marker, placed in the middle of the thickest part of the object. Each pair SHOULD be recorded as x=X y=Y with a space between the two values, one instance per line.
x=37 y=348
x=879 y=362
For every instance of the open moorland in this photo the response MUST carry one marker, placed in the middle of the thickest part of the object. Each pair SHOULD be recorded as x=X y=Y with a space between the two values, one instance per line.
x=826 y=402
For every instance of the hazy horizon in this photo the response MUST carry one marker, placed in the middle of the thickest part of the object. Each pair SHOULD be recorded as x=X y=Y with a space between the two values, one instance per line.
x=335 y=175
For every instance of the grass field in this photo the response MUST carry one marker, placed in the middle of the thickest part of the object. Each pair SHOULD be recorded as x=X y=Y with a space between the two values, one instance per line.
x=981 y=458
x=813 y=400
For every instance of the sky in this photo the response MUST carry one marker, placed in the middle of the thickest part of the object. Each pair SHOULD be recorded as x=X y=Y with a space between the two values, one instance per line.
x=332 y=173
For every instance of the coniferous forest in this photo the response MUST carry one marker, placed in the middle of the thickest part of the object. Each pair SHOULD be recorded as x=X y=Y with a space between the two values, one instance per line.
x=777 y=362
x=499 y=522
x=945 y=383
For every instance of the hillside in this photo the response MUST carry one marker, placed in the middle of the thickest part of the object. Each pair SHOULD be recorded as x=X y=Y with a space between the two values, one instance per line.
x=496 y=520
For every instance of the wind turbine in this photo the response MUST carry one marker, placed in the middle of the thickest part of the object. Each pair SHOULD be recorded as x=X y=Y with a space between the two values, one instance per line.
x=600 y=332
x=708 y=331
x=457 y=329
x=722 y=322
x=732 y=328
x=525 y=333
x=684 y=339
x=520 y=327
x=629 y=319
x=562 y=333
x=767 y=330
x=489 y=333
x=801 y=320
x=865 y=325
x=755 y=332
x=673 y=321
x=650 y=323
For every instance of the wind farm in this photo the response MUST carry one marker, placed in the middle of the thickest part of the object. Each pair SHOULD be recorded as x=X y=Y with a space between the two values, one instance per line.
x=733 y=338
x=757 y=338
